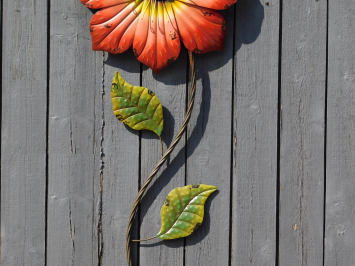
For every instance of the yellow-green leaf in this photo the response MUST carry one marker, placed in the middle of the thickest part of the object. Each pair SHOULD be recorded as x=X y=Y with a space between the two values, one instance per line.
x=135 y=106
x=183 y=210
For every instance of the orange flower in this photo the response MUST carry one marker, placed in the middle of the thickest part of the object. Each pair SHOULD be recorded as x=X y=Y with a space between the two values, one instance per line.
x=156 y=27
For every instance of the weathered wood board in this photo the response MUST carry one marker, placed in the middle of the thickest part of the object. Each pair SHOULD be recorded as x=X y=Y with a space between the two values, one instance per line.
x=70 y=209
x=23 y=132
x=121 y=157
x=340 y=160
x=255 y=133
x=73 y=130
x=302 y=132
x=170 y=87
x=272 y=128
x=209 y=151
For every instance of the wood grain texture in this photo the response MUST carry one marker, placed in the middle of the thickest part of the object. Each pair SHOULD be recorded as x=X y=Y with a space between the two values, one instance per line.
x=170 y=87
x=255 y=133
x=209 y=151
x=340 y=200
x=96 y=164
x=120 y=147
x=302 y=132
x=23 y=128
x=75 y=81
x=74 y=134
x=70 y=209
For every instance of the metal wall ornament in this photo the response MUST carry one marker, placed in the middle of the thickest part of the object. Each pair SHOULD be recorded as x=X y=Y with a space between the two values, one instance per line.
x=183 y=211
x=135 y=106
x=156 y=29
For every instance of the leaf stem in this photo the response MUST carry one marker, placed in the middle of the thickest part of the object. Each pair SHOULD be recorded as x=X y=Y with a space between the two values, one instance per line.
x=143 y=239
x=161 y=143
x=162 y=160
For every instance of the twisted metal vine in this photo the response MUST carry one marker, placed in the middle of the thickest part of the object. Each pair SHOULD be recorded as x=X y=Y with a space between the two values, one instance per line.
x=162 y=160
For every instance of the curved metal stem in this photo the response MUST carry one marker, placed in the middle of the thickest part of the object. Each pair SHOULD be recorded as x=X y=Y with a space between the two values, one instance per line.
x=139 y=240
x=163 y=159
x=161 y=144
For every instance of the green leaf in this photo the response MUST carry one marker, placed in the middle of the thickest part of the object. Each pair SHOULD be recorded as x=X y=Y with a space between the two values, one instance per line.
x=183 y=210
x=137 y=107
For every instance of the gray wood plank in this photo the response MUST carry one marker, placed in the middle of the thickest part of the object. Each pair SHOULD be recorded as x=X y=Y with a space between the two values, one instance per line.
x=209 y=151
x=302 y=132
x=170 y=87
x=255 y=133
x=121 y=165
x=74 y=134
x=340 y=157
x=23 y=138
x=75 y=80
x=70 y=209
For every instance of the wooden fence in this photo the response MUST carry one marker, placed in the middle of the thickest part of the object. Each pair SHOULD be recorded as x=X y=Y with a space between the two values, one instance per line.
x=273 y=128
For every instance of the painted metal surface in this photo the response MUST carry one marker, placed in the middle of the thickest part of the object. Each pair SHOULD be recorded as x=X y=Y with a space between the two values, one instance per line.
x=260 y=100
x=157 y=28
x=183 y=210
x=136 y=107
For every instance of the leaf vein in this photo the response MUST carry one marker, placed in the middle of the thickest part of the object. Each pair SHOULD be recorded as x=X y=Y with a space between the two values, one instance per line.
x=130 y=97
x=186 y=222
x=131 y=116
x=166 y=214
x=180 y=230
x=194 y=213
x=156 y=109
x=172 y=205
x=139 y=98
x=140 y=122
x=125 y=108
x=182 y=205
x=148 y=105
x=173 y=223
x=160 y=122
x=133 y=105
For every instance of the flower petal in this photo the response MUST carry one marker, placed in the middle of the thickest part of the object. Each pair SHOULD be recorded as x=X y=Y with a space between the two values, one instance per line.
x=213 y=4
x=113 y=28
x=156 y=42
x=97 y=4
x=201 y=29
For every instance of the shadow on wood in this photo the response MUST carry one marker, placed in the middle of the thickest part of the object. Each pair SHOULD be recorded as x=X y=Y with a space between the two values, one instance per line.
x=197 y=133
x=248 y=34
x=250 y=12
x=202 y=231
x=249 y=18
x=113 y=60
